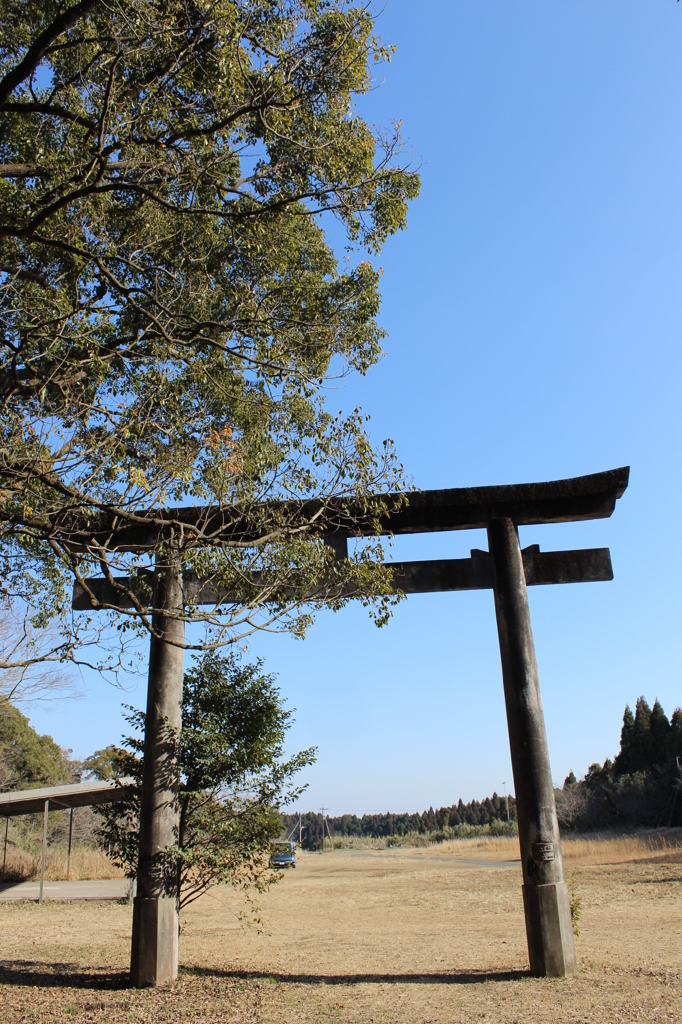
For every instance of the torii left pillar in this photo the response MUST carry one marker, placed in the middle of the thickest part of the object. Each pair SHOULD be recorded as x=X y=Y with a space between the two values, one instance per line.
x=154 y=953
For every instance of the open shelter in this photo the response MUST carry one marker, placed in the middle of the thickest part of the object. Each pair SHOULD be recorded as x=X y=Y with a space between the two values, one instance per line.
x=79 y=794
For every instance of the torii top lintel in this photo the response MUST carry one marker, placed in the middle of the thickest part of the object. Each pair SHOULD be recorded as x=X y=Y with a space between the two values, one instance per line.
x=456 y=508
x=553 y=501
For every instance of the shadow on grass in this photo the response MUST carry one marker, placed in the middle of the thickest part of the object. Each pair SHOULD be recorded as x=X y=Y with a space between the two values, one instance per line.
x=416 y=978
x=60 y=975
x=654 y=881
x=70 y=975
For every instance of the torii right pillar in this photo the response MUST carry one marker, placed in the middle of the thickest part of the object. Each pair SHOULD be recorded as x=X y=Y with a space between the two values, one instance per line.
x=546 y=904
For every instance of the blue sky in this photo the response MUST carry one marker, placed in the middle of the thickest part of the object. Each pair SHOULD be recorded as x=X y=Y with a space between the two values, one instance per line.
x=534 y=311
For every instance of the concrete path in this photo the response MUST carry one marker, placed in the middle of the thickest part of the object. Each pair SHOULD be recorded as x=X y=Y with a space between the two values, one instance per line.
x=98 y=889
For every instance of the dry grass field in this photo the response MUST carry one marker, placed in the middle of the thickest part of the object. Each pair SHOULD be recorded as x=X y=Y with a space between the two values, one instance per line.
x=376 y=936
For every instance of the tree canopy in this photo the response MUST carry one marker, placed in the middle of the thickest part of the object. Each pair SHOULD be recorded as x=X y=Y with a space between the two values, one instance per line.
x=27 y=759
x=170 y=304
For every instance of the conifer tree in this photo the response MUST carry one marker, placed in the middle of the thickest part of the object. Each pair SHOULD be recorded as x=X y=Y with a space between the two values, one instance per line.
x=624 y=758
x=641 y=737
x=660 y=735
x=675 y=736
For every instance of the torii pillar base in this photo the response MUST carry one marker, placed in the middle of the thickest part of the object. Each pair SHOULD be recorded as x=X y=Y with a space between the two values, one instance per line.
x=154 y=952
x=549 y=930
x=154 y=949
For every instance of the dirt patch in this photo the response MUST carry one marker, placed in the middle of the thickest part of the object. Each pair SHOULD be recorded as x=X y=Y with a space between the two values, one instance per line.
x=386 y=936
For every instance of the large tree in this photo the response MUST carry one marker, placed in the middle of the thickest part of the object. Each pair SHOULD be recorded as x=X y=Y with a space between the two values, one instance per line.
x=171 y=307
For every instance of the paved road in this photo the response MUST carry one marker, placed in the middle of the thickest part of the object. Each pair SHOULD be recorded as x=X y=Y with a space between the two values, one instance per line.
x=99 y=889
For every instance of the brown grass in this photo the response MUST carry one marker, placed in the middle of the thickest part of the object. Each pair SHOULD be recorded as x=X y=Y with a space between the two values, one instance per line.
x=647 y=846
x=407 y=936
x=596 y=849
x=86 y=862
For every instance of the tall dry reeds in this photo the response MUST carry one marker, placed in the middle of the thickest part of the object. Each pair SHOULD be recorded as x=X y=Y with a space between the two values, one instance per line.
x=86 y=862
x=661 y=846
x=597 y=848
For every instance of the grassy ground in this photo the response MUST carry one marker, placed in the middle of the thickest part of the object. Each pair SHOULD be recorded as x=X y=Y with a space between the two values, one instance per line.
x=409 y=935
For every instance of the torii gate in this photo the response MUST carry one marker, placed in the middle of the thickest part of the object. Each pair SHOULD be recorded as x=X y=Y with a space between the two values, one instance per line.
x=505 y=568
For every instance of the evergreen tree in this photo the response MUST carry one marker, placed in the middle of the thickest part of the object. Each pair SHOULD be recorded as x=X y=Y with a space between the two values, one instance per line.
x=32 y=760
x=675 y=735
x=641 y=737
x=171 y=307
x=660 y=736
x=233 y=780
x=623 y=759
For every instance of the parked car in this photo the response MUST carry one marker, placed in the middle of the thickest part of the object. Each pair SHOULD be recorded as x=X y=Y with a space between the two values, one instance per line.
x=283 y=855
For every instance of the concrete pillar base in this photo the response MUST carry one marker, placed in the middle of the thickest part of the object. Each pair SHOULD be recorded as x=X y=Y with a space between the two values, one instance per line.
x=549 y=928
x=154 y=954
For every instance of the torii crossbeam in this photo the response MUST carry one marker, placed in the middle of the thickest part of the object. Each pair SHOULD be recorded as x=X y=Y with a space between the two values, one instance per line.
x=505 y=568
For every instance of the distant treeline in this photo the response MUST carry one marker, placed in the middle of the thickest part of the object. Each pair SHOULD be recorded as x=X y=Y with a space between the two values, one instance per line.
x=640 y=788
x=490 y=811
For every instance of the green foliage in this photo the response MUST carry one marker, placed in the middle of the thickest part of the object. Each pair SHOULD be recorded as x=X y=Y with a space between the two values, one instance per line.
x=640 y=787
x=170 y=305
x=105 y=764
x=31 y=760
x=234 y=778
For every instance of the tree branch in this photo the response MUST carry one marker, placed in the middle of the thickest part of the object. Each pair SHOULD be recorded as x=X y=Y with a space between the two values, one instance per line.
x=41 y=45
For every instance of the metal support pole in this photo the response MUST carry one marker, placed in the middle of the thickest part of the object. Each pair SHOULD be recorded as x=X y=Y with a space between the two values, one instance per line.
x=506 y=800
x=4 y=859
x=549 y=930
x=68 y=856
x=154 y=952
x=42 y=867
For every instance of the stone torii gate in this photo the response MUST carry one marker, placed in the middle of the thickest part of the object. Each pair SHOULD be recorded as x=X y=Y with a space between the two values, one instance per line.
x=505 y=568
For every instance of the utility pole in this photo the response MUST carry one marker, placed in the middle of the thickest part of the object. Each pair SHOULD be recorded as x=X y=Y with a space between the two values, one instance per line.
x=322 y=812
x=506 y=800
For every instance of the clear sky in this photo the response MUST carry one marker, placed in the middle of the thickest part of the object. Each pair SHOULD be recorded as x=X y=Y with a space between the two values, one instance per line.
x=534 y=309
